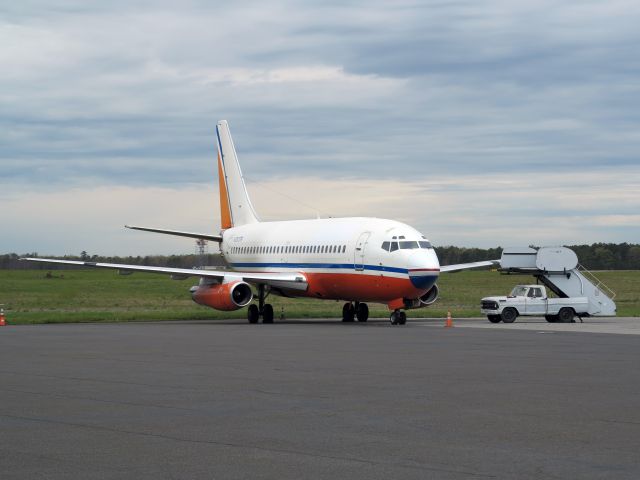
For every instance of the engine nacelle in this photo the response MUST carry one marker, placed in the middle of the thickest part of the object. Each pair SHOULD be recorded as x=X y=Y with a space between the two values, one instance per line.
x=223 y=296
x=431 y=296
x=424 y=301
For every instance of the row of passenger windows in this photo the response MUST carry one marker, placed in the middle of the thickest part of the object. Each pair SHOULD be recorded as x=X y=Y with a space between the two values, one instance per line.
x=405 y=245
x=290 y=249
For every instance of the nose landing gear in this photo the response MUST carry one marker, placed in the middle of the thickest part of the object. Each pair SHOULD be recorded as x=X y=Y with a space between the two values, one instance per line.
x=398 y=317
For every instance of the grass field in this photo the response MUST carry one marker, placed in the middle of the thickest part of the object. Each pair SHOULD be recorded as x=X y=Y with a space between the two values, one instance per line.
x=99 y=295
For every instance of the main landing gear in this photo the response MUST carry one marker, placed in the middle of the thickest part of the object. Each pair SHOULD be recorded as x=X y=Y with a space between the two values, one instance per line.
x=262 y=309
x=398 y=317
x=350 y=312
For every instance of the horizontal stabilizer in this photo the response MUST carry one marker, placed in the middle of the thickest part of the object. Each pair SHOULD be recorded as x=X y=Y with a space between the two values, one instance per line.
x=468 y=266
x=201 y=236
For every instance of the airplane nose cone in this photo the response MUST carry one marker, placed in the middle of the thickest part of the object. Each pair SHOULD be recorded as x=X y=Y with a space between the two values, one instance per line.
x=424 y=269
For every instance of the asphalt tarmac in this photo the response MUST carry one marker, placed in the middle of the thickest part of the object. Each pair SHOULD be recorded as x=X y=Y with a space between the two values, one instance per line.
x=318 y=399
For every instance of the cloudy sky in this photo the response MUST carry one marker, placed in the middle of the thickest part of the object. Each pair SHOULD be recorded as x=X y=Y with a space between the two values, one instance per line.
x=481 y=123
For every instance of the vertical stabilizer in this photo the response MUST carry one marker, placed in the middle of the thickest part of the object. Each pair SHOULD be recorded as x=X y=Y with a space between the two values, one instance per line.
x=235 y=204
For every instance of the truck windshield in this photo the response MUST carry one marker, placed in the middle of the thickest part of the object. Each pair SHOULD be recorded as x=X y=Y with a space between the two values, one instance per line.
x=518 y=291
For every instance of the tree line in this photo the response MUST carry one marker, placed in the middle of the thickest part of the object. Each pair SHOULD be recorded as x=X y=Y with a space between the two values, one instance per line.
x=598 y=256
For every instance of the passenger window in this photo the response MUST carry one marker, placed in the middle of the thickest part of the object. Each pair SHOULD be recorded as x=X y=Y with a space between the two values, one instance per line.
x=385 y=246
x=394 y=246
x=344 y=248
x=532 y=292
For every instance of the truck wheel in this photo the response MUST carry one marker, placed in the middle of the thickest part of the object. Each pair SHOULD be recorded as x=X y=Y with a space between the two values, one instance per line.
x=551 y=318
x=565 y=315
x=509 y=315
x=494 y=318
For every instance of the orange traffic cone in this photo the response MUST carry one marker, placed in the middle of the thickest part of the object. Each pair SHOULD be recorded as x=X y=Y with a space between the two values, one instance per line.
x=449 y=322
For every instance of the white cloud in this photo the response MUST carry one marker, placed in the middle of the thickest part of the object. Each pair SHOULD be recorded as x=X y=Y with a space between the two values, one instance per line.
x=483 y=211
x=422 y=111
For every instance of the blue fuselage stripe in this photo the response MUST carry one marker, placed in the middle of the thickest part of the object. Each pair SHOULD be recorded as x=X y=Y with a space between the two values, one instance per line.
x=332 y=266
x=336 y=266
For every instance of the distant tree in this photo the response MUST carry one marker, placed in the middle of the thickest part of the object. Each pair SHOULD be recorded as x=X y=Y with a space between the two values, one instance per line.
x=633 y=258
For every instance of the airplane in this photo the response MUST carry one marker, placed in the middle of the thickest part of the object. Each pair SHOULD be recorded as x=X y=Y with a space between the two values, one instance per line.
x=358 y=260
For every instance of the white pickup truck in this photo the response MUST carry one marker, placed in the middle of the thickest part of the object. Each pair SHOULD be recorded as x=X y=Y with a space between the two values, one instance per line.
x=532 y=300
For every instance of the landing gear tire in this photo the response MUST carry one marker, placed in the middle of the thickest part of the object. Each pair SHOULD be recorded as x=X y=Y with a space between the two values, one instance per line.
x=267 y=313
x=494 y=318
x=398 y=318
x=253 y=314
x=509 y=315
x=348 y=312
x=551 y=318
x=362 y=312
x=565 y=315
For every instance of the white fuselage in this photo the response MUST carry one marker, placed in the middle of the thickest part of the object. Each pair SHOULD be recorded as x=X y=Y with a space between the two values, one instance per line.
x=356 y=259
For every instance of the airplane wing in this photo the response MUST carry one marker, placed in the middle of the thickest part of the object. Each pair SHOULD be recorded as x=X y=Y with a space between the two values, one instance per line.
x=177 y=233
x=467 y=266
x=290 y=281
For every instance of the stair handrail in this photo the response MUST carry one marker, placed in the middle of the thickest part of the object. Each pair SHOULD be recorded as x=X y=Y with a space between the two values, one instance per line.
x=597 y=282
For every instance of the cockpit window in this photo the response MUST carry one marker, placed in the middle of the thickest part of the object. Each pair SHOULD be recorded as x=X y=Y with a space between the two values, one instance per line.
x=405 y=245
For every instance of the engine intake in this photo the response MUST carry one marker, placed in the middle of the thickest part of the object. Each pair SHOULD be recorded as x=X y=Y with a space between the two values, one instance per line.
x=223 y=296
x=431 y=296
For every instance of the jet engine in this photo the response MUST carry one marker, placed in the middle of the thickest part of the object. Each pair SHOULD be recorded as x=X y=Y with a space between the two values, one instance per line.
x=431 y=296
x=424 y=301
x=223 y=296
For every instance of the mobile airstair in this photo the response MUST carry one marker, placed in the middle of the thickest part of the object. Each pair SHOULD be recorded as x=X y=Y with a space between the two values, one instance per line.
x=558 y=269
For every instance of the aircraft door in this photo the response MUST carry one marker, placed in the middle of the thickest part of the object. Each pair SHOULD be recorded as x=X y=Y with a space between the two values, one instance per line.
x=358 y=256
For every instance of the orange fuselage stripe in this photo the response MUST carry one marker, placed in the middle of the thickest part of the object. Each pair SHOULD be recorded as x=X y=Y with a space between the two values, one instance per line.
x=354 y=286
